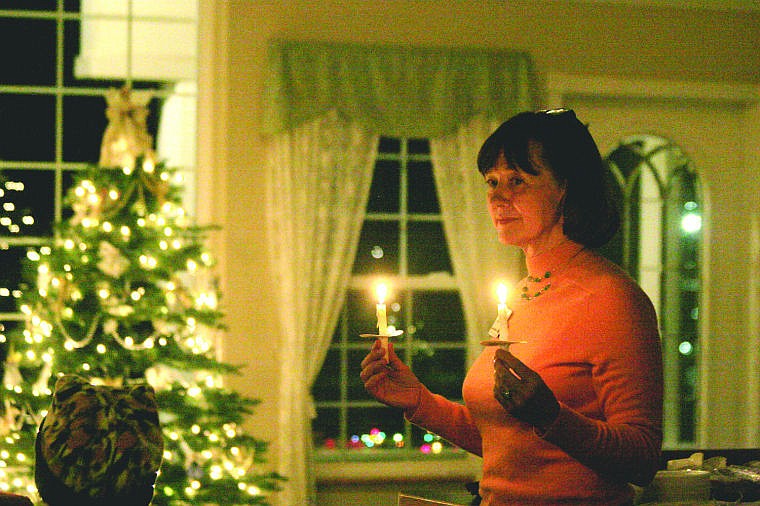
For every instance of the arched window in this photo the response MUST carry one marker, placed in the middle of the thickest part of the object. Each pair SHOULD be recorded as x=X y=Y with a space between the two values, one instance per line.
x=659 y=244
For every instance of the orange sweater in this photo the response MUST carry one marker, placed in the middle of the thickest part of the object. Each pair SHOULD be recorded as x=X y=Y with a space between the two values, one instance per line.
x=593 y=338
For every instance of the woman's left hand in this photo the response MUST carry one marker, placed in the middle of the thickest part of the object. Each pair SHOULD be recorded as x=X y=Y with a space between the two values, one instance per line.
x=522 y=392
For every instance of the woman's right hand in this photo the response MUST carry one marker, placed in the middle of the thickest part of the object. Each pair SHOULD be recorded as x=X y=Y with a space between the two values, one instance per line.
x=392 y=382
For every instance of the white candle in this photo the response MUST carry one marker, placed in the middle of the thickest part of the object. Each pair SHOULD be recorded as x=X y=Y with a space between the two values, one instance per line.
x=382 y=318
x=499 y=332
x=503 y=311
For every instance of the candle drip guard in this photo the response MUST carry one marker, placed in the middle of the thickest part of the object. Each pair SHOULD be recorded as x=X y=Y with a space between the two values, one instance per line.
x=500 y=342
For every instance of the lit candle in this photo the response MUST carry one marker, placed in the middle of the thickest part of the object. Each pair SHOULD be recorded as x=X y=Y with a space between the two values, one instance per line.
x=382 y=318
x=499 y=328
x=503 y=310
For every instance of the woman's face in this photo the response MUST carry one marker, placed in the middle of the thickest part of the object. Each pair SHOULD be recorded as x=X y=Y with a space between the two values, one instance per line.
x=525 y=208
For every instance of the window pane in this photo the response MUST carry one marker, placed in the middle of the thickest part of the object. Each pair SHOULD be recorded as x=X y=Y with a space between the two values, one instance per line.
x=356 y=391
x=28 y=127
x=82 y=113
x=326 y=427
x=10 y=276
x=422 y=195
x=683 y=223
x=687 y=383
x=613 y=249
x=427 y=248
x=389 y=145
x=438 y=317
x=35 y=64
x=327 y=385
x=442 y=371
x=384 y=192
x=418 y=147
x=635 y=206
x=363 y=420
x=30 y=193
x=16 y=199
x=378 y=248
x=29 y=5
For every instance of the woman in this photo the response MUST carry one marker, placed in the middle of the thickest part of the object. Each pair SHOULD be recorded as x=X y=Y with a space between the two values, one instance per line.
x=573 y=416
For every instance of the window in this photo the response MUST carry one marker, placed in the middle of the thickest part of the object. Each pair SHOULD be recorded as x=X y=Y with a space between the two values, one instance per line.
x=402 y=242
x=660 y=246
x=53 y=108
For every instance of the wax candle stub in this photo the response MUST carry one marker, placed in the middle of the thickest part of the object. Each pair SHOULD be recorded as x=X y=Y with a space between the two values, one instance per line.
x=384 y=331
x=382 y=317
x=503 y=311
x=500 y=329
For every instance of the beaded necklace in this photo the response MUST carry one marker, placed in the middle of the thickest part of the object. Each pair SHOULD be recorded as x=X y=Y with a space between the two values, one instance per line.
x=525 y=291
x=530 y=279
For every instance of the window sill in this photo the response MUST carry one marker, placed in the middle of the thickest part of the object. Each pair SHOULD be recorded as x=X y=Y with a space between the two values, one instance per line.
x=391 y=465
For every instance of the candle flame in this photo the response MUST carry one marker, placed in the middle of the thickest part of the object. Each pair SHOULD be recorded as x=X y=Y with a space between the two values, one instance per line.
x=382 y=292
x=501 y=292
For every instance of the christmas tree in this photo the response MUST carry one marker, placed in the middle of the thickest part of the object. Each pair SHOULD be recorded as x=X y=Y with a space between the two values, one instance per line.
x=124 y=294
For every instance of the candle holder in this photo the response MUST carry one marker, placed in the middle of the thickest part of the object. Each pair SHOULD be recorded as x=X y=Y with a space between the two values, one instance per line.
x=383 y=339
x=501 y=342
x=498 y=334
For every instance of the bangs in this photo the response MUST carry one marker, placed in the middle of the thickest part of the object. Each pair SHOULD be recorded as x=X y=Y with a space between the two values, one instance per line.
x=515 y=141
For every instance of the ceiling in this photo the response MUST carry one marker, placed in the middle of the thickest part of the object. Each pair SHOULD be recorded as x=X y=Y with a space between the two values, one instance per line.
x=724 y=5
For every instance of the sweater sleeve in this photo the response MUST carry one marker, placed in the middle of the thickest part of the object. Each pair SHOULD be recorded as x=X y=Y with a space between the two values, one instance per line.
x=447 y=419
x=621 y=329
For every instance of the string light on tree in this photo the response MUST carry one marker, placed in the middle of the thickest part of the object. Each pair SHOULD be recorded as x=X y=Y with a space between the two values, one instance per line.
x=126 y=293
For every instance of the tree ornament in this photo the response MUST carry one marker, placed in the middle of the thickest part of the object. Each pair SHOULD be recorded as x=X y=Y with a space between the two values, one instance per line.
x=112 y=262
x=41 y=385
x=126 y=137
x=161 y=377
x=12 y=419
x=12 y=377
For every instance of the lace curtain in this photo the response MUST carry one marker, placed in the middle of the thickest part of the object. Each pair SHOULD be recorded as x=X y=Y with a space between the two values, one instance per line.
x=318 y=184
x=325 y=105
x=479 y=260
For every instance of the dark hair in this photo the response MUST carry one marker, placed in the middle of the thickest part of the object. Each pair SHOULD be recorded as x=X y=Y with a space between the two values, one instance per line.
x=567 y=150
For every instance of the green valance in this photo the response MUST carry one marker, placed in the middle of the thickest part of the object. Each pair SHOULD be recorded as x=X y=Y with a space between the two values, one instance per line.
x=396 y=91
